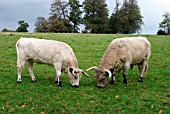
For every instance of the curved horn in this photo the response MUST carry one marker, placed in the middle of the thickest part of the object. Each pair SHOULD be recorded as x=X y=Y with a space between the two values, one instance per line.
x=73 y=72
x=108 y=71
x=85 y=73
x=94 y=67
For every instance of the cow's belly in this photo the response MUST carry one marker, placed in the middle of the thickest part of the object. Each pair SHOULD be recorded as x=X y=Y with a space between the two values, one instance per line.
x=41 y=61
x=137 y=59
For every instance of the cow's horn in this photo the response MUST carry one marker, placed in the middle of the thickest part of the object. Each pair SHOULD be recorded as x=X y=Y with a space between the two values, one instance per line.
x=94 y=67
x=85 y=73
x=108 y=71
x=73 y=72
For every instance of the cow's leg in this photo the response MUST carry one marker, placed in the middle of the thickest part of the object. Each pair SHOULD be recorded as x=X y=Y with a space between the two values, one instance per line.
x=113 y=79
x=125 y=72
x=58 y=74
x=20 y=66
x=19 y=75
x=146 y=69
x=142 y=69
x=139 y=67
x=30 y=69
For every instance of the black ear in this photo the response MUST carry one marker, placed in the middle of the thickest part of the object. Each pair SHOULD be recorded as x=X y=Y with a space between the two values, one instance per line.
x=71 y=70
x=111 y=70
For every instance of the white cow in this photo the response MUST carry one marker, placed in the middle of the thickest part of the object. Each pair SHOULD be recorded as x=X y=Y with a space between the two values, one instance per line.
x=121 y=54
x=55 y=53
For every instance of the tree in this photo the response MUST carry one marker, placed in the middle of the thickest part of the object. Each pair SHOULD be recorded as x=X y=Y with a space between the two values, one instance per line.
x=40 y=25
x=96 y=16
x=22 y=26
x=55 y=24
x=127 y=19
x=161 y=32
x=114 y=19
x=6 y=30
x=59 y=12
x=165 y=24
x=59 y=8
x=75 y=14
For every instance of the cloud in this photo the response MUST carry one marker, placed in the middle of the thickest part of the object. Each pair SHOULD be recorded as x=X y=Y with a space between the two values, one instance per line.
x=11 y=11
x=152 y=10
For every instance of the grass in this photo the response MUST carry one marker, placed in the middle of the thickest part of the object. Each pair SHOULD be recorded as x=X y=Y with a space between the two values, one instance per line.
x=150 y=96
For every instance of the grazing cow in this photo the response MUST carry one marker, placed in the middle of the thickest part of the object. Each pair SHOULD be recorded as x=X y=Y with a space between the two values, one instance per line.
x=55 y=53
x=123 y=53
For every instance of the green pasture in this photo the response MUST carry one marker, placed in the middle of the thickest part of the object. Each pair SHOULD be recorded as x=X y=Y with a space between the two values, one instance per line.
x=152 y=96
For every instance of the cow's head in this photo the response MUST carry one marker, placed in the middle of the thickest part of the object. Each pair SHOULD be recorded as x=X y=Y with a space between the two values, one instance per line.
x=102 y=75
x=74 y=75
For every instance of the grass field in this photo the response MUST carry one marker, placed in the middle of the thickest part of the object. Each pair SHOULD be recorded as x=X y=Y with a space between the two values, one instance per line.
x=44 y=97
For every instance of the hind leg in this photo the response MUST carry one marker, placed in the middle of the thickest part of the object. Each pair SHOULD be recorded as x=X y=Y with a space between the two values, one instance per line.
x=142 y=67
x=30 y=69
x=19 y=75
x=20 y=66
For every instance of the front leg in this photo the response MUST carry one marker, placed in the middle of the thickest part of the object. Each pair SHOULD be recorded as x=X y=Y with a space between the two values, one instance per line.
x=113 y=79
x=125 y=79
x=125 y=72
x=58 y=82
x=58 y=74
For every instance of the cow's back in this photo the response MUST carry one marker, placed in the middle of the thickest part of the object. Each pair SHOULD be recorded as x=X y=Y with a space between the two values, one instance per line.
x=131 y=49
x=44 y=51
x=134 y=48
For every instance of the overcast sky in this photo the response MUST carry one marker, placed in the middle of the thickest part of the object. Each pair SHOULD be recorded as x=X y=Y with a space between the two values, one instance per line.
x=11 y=11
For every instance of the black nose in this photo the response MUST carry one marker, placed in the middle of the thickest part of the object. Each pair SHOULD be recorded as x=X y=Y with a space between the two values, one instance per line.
x=76 y=86
x=99 y=86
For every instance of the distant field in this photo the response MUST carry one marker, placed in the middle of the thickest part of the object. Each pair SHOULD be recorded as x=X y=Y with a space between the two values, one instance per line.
x=152 y=96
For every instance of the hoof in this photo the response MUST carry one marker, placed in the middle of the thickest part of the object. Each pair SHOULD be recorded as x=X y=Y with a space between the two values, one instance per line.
x=140 y=79
x=75 y=86
x=34 y=80
x=19 y=81
x=59 y=84
x=125 y=81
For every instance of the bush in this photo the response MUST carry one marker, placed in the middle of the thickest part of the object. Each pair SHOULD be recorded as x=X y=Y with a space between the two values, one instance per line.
x=6 y=30
x=161 y=32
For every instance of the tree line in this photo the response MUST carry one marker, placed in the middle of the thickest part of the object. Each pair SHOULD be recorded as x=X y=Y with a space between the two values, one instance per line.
x=67 y=17
x=93 y=14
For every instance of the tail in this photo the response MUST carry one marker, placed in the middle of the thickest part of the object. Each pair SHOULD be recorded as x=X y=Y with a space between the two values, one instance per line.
x=18 y=54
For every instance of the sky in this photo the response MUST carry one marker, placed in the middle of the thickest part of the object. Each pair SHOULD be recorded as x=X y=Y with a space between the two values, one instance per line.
x=12 y=11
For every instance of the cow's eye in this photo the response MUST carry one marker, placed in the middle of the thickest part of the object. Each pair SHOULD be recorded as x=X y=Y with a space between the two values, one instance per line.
x=102 y=79
x=106 y=74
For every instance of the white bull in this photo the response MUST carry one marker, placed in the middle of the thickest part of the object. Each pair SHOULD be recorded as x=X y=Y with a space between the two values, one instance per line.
x=55 y=53
x=121 y=54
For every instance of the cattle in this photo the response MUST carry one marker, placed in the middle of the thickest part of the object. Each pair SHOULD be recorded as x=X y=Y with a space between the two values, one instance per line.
x=54 y=53
x=123 y=53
